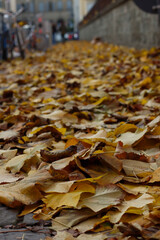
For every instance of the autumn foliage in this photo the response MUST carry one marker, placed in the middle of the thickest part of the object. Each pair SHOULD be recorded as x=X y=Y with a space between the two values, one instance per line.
x=80 y=140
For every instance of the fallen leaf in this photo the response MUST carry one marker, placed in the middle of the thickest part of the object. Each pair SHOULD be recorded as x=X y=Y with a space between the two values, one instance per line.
x=54 y=156
x=105 y=197
x=70 y=218
x=69 y=199
x=8 y=134
x=18 y=162
x=155 y=177
x=136 y=168
x=112 y=161
x=140 y=202
x=8 y=154
x=21 y=192
x=130 y=138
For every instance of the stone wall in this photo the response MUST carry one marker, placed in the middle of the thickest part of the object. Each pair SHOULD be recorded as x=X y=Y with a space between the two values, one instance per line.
x=124 y=24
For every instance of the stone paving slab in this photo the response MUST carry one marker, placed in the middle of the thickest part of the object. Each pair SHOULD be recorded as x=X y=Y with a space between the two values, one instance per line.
x=13 y=227
x=22 y=236
x=29 y=220
x=8 y=216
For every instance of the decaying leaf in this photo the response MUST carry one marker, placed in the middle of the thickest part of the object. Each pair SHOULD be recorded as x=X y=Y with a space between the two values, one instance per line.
x=80 y=140
x=53 y=156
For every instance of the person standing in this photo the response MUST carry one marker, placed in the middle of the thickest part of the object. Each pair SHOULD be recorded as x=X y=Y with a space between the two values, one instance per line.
x=54 y=30
x=63 y=30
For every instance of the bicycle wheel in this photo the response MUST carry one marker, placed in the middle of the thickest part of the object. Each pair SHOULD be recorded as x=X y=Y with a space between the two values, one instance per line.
x=20 y=46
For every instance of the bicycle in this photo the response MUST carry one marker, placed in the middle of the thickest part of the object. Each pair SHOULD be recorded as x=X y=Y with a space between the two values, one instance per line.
x=17 y=37
x=36 y=40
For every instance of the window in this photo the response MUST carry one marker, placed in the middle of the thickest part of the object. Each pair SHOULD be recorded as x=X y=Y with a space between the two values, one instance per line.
x=31 y=7
x=59 y=5
x=50 y=6
x=69 y=4
x=47 y=6
x=27 y=7
x=41 y=7
x=0 y=4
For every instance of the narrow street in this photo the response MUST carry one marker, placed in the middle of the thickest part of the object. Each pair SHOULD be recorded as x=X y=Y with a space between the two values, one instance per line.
x=80 y=143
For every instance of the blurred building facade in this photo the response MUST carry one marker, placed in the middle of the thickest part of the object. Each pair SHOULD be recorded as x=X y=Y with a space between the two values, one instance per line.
x=13 y=6
x=53 y=10
x=80 y=9
x=1 y=4
x=9 y=5
x=70 y=11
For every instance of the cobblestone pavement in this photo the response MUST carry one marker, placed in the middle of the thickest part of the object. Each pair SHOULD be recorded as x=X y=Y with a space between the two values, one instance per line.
x=13 y=227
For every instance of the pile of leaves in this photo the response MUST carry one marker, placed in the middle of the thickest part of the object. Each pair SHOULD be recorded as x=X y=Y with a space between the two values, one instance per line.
x=80 y=140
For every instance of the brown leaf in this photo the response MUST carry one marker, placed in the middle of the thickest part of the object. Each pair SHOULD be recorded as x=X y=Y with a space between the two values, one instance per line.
x=54 y=156
x=112 y=161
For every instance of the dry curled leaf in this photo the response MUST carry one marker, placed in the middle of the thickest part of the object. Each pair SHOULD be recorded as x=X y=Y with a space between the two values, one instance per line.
x=54 y=156
x=79 y=134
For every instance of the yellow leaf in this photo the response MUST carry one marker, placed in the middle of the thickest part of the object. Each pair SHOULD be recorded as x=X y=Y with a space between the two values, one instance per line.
x=56 y=200
x=101 y=100
x=29 y=209
x=69 y=199
x=25 y=139
x=155 y=176
x=47 y=89
x=156 y=131
x=82 y=187
x=133 y=189
x=138 y=211
x=145 y=82
x=70 y=142
x=125 y=128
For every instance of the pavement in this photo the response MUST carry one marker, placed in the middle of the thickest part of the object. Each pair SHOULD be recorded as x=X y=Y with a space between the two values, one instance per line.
x=13 y=227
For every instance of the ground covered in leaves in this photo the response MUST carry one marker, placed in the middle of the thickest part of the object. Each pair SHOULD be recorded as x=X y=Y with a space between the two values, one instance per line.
x=80 y=140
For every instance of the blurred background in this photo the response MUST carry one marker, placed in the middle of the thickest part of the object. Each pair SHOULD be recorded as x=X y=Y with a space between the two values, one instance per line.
x=39 y=24
x=57 y=18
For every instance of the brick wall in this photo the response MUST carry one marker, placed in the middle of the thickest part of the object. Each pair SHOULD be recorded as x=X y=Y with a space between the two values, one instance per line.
x=124 y=24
